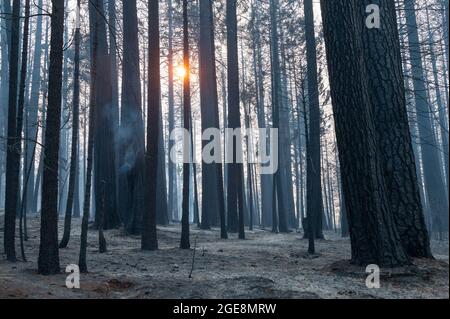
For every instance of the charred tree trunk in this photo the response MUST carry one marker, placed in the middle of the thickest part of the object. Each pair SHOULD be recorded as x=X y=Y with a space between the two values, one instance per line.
x=149 y=238
x=279 y=200
x=373 y=232
x=132 y=132
x=314 y=199
x=20 y=116
x=173 y=185
x=105 y=131
x=5 y=45
x=266 y=180
x=13 y=140
x=235 y=192
x=82 y=263
x=388 y=107
x=185 y=244
x=212 y=177
x=48 y=262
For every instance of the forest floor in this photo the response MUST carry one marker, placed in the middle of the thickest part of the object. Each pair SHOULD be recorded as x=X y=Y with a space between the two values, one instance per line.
x=265 y=265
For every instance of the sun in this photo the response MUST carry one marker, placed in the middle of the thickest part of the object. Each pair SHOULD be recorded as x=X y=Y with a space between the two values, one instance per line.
x=180 y=71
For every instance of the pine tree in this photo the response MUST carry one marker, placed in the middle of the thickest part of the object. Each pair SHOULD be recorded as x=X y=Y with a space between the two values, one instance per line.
x=48 y=262
x=373 y=232
x=13 y=141
x=185 y=244
x=213 y=200
x=235 y=192
x=149 y=238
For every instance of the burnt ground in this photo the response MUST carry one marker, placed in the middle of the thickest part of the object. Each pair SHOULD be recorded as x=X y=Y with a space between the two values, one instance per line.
x=265 y=265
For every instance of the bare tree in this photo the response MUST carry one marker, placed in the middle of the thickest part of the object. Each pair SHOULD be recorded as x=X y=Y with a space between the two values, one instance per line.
x=48 y=262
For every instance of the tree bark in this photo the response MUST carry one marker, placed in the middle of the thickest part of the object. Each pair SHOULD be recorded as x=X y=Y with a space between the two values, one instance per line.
x=266 y=180
x=132 y=132
x=149 y=238
x=48 y=262
x=374 y=237
x=314 y=199
x=388 y=106
x=235 y=192
x=13 y=140
x=185 y=244
x=105 y=130
x=5 y=44
x=212 y=178
x=82 y=263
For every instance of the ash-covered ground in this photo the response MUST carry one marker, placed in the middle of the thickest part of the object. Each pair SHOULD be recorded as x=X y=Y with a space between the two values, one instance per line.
x=265 y=265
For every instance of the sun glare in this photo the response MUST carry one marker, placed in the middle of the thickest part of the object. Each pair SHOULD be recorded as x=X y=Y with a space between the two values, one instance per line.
x=180 y=71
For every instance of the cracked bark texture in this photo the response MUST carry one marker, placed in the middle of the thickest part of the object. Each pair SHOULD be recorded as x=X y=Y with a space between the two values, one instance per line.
x=48 y=262
x=373 y=234
x=386 y=91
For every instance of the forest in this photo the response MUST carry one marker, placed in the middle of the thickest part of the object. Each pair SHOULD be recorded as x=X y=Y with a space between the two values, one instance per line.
x=202 y=149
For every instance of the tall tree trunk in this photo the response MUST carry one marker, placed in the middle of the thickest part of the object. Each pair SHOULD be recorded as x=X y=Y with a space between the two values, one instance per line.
x=65 y=116
x=82 y=263
x=173 y=185
x=20 y=116
x=5 y=44
x=185 y=244
x=314 y=199
x=75 y=125
x=373 y=232
x=132 y=132
x=412 y=119
x=266 y=180
x=105 y=131
x=212 y=179
x=279 y=202
x=285 y=130
x=149 y=239
x=33 y=121
x=112 y=18
x=250 y=182
x=13 y=140
x=299 y=148
x=112 y=31
x=235 y=192
x=388 y=107
x=48 y=262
